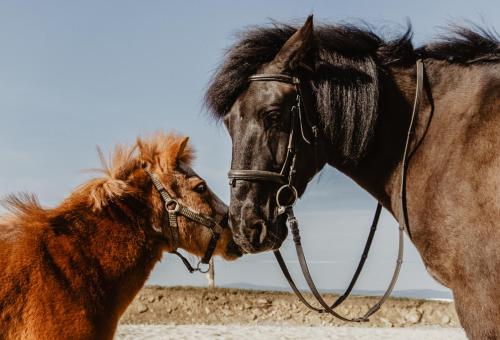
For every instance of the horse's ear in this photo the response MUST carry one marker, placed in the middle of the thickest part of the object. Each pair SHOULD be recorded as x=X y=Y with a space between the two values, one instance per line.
x=295 y=53
x=178 y=153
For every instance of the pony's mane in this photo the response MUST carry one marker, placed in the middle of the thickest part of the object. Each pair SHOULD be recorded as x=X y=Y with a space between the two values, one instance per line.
x=21 y=204
x=156 y=151
x=347 y=61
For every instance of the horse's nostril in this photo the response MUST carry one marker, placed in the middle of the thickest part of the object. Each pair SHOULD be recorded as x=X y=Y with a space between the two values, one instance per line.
x=259 y=230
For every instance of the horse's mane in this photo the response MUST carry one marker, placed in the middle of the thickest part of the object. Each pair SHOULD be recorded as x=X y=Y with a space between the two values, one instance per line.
x=348 y=59
x=465 y=45
x=98 y=192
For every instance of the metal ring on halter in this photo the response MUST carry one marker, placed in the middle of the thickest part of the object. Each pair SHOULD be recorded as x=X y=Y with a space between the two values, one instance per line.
x=176 y=204
x=199 y=267
x=294 y=192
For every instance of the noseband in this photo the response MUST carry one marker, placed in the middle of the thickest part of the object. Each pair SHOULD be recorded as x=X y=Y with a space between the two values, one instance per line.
x=174 y=208
x=286 y=180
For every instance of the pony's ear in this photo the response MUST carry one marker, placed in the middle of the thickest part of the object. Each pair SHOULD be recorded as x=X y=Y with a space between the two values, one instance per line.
x=178 y=153
x=145 y=153
x=295 y=53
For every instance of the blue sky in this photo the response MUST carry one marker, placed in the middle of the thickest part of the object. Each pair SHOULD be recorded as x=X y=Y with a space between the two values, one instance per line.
x=79 y=74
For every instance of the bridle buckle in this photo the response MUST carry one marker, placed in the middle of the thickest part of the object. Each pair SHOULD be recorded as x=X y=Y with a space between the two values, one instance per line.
x=291 y=188
x=202 y=267
x=172 y=206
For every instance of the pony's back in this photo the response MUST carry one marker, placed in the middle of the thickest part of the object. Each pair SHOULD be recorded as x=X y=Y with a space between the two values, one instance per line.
x=18 y=263
x=29 y=283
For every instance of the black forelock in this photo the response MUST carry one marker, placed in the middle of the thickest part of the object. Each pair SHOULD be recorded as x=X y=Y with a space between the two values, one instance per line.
x=255 y=47
x=258 y=45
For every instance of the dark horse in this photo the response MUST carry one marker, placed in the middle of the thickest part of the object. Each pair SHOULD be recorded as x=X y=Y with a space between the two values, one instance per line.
x=360 y=89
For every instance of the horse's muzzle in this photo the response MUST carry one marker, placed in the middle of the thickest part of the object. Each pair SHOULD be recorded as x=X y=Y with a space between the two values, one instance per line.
x=257 y=235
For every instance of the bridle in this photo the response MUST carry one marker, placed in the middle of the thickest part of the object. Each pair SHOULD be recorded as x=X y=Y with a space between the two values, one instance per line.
x=297 y=120
x=285 y=179
x=171 y=232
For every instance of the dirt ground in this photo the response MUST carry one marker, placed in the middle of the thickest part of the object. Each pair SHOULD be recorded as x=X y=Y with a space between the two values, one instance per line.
x=221 y=306
x=238 y=332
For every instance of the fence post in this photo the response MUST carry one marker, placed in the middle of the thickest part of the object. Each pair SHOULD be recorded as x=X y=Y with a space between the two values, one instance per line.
x=211 y=274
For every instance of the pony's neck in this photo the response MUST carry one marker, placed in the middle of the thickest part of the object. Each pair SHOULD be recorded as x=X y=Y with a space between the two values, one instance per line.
x=378 y=171
x=107 y=255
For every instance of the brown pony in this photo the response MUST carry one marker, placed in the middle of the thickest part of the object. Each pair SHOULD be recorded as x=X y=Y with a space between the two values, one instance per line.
x=70 y=272
x=356 y=95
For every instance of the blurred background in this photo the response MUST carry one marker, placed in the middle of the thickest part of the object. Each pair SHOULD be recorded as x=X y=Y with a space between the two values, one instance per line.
x=74 y=75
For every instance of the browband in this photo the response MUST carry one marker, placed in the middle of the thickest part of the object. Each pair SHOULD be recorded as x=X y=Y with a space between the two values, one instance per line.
x=283 y=78
x=255 y=175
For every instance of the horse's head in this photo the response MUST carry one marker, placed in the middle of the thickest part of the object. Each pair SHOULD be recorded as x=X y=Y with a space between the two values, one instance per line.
x=261 y=122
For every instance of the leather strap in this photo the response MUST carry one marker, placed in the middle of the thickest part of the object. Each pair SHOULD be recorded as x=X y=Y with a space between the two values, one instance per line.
x=363 y=258
x=255 y=175
x=174 y=208
x=292 y=222
x=184 y=260
x=282 y=78
x=347 y=292
x=406 y=155
x=210 y=249
x=326 y=308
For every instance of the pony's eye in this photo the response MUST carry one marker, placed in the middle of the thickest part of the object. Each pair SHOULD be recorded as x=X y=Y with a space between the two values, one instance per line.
x=200 y=188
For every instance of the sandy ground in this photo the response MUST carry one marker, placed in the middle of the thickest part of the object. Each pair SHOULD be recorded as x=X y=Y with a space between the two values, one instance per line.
x=129 y=332
x=190 y=313
x=188 y=305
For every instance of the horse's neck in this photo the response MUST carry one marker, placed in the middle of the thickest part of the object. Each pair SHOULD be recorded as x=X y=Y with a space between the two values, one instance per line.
x=378 y=171
x=445 y=85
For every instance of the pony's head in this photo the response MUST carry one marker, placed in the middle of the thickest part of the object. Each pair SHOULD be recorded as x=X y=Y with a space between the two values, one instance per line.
x=128 y=185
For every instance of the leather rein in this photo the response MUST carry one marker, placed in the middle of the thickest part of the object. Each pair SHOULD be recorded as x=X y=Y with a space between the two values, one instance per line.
x=174 y=208
x=285 y=179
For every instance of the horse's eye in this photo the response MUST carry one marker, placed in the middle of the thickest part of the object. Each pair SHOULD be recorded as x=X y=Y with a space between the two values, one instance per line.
x=273 y=117
x=200 y=188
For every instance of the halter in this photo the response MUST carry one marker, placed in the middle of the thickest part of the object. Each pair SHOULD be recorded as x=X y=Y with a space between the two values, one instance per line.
x=286 y=180
x=175 y=208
